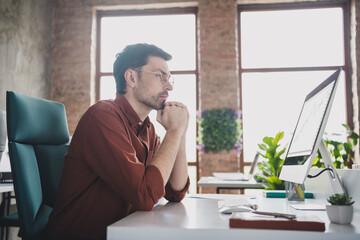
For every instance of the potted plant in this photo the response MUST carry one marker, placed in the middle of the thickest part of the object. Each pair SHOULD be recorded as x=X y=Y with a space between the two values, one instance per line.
x=270 y=169
x=220 y=129
x=341 y=210
x=342 y=153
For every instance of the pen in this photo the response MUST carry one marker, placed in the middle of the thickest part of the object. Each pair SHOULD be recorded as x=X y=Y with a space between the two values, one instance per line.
x=275 y=214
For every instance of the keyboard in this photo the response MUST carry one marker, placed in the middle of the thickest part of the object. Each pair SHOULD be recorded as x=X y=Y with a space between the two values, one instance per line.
x=6 y=177
x=243 y=201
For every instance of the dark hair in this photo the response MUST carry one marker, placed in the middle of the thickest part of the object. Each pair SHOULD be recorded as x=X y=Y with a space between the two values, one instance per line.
x=134 y=56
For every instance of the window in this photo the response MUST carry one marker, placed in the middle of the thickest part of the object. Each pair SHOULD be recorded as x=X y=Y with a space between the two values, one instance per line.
x=287 y=50
x=173 y=30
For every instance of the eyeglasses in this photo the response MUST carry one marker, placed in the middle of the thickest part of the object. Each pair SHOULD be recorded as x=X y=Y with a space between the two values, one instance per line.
x=162 y=76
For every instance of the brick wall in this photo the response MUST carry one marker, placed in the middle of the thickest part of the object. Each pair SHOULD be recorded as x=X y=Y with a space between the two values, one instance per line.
x=72 y=63
x=219 y=77
x=355 y=56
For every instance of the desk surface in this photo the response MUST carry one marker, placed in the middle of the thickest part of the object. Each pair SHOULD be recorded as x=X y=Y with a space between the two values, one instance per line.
x=197 y=217
x=219 y=183
x=5 y=167
x=6 y=187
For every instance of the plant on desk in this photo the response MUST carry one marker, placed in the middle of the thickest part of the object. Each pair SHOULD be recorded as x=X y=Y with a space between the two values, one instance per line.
x=342 y=153
x=341 y=209
x=271 y=168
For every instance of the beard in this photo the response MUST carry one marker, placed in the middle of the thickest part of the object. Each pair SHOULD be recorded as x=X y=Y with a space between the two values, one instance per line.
x=153 y=102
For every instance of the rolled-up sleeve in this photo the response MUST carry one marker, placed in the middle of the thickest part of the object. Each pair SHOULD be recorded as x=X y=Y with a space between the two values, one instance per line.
x=176 y=196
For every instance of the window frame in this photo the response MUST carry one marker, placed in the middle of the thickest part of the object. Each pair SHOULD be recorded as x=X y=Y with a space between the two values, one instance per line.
x=149 y=12
x=346 y=67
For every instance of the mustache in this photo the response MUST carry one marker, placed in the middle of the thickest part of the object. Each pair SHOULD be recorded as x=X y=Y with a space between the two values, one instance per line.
x=166 y=93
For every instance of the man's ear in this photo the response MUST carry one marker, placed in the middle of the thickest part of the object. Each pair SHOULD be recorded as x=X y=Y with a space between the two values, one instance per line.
x=130 y=77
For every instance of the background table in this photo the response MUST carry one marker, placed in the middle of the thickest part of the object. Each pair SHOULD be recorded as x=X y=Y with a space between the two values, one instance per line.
x=5 y=188
x=229 y=184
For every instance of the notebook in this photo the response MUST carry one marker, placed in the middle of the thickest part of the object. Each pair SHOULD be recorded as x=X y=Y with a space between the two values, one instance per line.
x=237 y=176
x=255 y=221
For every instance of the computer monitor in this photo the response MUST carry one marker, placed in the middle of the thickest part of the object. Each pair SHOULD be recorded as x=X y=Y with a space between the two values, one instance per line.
x=308 y=135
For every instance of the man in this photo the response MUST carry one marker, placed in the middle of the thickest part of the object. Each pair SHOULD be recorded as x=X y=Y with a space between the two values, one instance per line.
x=115 y=164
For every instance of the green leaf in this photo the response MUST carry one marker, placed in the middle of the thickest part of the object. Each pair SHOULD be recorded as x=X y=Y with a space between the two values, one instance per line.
x=272 y=165
x=268 y=141
x=262 y=146
x=346 y=126
x=347 y=147
x=355 y=137
x=336 y=153
x=275 y=183
x=340 y=199
x=345 y=159
x=337 y=149
x=262 y=155
x=279 y=136
x=282 y=151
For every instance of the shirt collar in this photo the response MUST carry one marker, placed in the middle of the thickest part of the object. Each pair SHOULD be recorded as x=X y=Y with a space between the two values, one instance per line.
x=129 y=112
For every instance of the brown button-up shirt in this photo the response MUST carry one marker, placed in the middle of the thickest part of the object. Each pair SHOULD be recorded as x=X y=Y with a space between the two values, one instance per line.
x=105 y=176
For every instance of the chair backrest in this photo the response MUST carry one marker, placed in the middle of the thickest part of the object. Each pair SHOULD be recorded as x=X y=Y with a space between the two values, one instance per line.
x=38 y=139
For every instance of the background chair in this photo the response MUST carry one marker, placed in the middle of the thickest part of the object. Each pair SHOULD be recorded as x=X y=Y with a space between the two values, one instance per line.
x=38 y=140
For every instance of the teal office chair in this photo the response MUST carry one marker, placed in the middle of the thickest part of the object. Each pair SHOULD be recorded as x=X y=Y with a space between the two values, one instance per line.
x=38 y=139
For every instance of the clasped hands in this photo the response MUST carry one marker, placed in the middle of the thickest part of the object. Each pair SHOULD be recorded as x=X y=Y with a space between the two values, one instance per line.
x=174 y=117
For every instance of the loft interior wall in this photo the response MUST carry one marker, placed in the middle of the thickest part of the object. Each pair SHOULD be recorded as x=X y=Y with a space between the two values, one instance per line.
x=47 y=50
x=73 y=63
x=27 y=64
x=25 y=48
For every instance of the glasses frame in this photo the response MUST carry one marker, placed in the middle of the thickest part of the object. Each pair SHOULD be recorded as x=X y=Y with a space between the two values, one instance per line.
x=160 y=75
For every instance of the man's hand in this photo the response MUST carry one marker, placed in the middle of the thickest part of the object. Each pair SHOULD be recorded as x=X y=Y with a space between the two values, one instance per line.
x=174 y=116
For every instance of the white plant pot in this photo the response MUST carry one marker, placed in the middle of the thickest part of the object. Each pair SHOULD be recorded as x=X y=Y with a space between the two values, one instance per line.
x=340 y=214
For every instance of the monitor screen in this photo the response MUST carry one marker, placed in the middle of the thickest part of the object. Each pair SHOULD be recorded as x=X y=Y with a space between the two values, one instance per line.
x=309 y=130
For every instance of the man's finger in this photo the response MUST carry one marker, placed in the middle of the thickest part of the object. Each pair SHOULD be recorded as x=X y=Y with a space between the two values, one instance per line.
x=177 y=104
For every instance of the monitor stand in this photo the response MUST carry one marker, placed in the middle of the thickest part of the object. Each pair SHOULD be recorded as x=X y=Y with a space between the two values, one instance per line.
x=335 y=179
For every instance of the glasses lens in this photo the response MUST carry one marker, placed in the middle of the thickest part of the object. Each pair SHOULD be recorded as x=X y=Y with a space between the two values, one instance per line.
x=171 y=80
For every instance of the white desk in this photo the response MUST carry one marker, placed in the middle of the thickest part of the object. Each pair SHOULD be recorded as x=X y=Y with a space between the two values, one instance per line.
x=5 y=167
x=5 y=188
x=198 y=218
x=226 y=184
